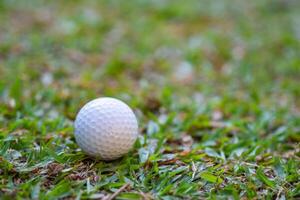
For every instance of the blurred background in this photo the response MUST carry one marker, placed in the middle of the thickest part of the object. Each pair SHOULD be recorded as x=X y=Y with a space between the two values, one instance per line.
x=56 y=55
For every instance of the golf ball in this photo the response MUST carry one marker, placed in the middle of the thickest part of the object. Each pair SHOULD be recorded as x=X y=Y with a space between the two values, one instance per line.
x=106 y=128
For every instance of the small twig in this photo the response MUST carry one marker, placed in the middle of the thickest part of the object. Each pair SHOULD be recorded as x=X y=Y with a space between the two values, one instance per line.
x=145 y=196
x=194 y=169
x=114 y=195
x=278 y=194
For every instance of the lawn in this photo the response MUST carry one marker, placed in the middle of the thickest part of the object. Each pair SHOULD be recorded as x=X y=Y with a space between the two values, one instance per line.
x=215 y=86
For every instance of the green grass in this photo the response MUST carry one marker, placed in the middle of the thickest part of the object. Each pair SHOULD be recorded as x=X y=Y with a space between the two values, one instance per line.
x=214 y=84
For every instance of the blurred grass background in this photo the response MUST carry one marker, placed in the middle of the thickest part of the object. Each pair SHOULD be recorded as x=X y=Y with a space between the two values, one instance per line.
x=89 y=48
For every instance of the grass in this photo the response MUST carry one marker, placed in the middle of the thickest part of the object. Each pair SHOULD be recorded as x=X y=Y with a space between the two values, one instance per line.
x=215 y=86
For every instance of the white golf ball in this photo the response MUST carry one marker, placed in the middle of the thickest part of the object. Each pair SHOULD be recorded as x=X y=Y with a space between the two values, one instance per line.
x=106 y=128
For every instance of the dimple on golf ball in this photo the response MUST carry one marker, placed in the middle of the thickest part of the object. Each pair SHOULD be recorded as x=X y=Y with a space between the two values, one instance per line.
x=106 y=128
